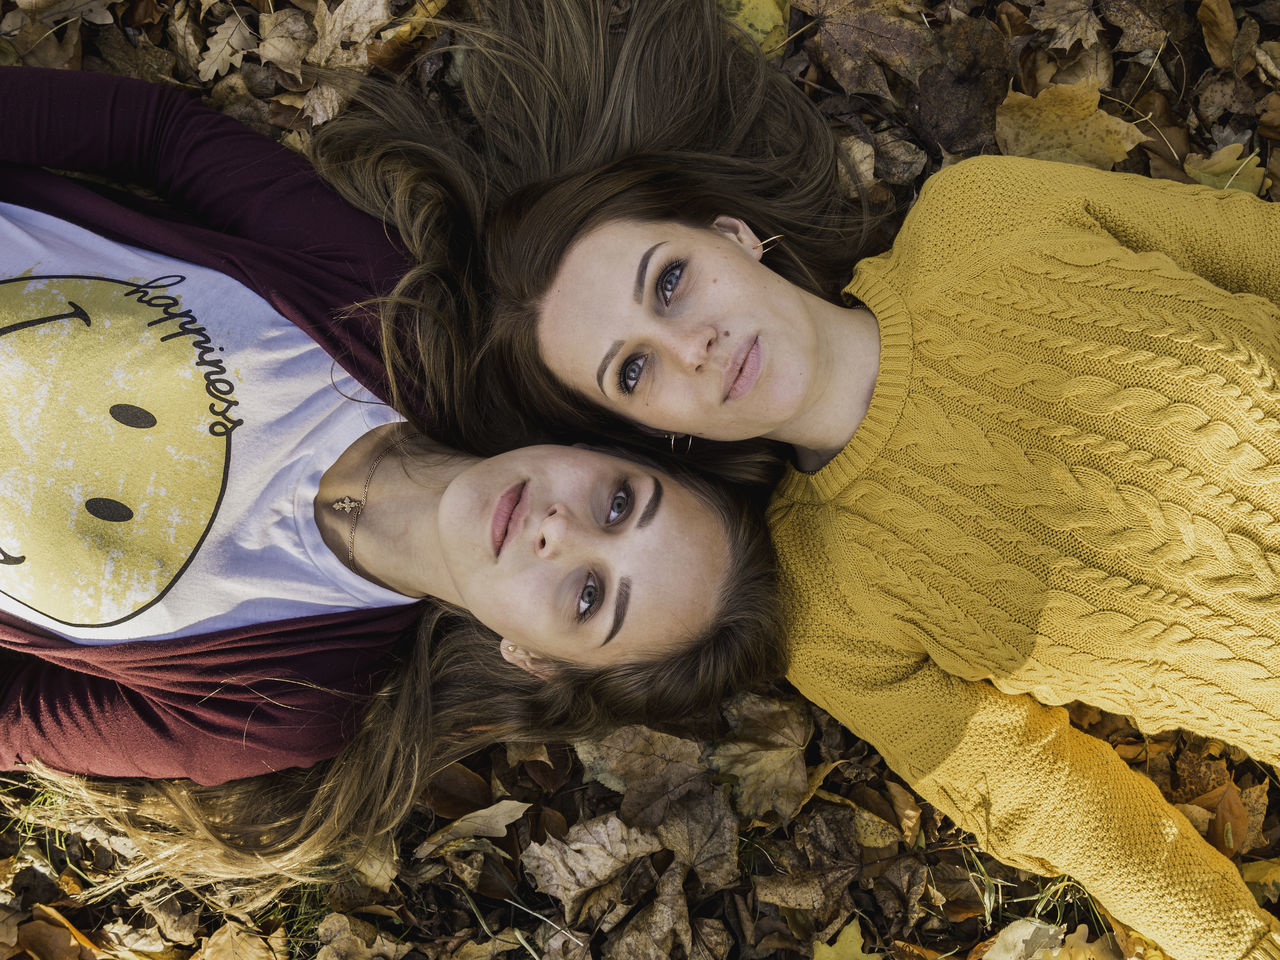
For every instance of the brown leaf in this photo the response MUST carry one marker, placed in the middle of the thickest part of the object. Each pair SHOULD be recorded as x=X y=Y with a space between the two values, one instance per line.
x=594 y=852
x=492 y=821
x=870 y=830
x=711 y=941
x=286 y=38
x=653 y=932
x=856 y=38
x=702 y=832
x=908 y=811
x=341 y=34
x=1064 y=123
x=232 y=942
x=1219 y=26
x=801 y=891
x=1255 y=804
x=226 y=48
x=455 y=791
x=39 y=45
x=177 y=925
x=1139 y=29
x=765 y=755
x=1070 y=20
x=651 y=770
x=1227 y=169
x=1230 y=824
x=957 y=98
x=341 y=938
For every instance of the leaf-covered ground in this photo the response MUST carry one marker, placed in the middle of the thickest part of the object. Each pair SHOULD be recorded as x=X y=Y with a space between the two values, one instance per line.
x=779 y=835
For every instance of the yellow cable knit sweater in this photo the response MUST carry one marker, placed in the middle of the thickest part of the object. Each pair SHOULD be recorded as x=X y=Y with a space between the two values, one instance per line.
x=1067 y=487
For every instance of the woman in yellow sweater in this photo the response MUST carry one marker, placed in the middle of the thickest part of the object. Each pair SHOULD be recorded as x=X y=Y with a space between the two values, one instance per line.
x=1036 y=446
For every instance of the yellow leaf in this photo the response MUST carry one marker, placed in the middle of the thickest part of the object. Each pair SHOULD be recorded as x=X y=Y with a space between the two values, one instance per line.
x=1219 y=26
x=1226 y=169
x=417 y=20
x=764 y=21
x=1263 y=878
x=1064 y=123
x=848 y=946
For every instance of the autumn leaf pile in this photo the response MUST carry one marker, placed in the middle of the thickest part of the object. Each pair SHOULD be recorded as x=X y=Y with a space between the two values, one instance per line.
x=778 y=834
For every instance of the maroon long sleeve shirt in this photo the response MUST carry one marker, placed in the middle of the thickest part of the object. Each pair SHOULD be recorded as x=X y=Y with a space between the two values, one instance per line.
x=240 y=702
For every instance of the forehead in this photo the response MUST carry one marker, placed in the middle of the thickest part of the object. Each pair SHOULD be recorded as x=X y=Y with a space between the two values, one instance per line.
x=677 y=566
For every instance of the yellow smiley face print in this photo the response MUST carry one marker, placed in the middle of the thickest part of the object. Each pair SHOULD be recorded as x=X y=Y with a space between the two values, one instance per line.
x=114 y=443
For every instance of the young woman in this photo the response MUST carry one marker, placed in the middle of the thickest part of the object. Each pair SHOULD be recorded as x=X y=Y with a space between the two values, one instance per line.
x=1036 y=444
x=223 y=557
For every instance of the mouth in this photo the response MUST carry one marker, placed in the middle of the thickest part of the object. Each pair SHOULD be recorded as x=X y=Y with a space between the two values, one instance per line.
x=744 y=369
x=500 y=526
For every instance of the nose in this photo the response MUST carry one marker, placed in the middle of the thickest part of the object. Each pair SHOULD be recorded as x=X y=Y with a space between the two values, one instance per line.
x=692 y=345
x=554 y=532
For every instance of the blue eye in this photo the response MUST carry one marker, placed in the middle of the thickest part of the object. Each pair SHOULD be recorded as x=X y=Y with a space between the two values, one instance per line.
x=589 y=598
x=669 y=281
x=620 y=505
x=630 y=372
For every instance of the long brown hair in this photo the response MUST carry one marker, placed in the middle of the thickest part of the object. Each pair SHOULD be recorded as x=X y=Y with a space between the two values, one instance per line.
x=449 y=694
x=556 y=90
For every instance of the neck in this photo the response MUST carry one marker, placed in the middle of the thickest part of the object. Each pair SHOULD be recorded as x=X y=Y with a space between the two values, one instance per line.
x=848 y=362
x=397 y=539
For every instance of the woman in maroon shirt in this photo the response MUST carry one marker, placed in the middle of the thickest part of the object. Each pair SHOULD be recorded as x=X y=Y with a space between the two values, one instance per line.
x=536 y=541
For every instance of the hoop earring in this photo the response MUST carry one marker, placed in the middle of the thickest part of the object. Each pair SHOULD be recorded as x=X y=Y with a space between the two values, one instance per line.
x=688 y=442
x=769 y=242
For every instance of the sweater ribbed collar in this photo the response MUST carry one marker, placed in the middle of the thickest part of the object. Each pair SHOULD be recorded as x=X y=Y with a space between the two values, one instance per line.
x=887 y=399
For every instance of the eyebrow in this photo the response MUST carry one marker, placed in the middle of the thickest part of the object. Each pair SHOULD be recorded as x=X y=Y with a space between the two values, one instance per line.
x=651 y=507
x=624 y=586
x=643 y=268
x=619 y=607
x=604 y=364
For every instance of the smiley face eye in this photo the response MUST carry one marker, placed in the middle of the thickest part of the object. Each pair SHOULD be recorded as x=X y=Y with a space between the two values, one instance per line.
x=104 y=508
x=131 y=416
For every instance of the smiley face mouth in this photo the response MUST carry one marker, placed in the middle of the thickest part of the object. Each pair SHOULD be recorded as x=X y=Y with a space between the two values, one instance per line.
x=9 y=560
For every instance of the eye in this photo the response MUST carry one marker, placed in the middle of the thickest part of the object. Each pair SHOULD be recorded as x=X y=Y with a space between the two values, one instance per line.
x=669 y=281
x=630 y=372
x=620 y=505
x=589 y=598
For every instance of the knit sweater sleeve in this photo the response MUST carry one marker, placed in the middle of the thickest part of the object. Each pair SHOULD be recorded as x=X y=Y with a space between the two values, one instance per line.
x=1228 y=237
x=1037 y=793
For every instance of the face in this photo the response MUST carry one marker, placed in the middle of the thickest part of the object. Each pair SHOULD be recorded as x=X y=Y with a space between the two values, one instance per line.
x=574 y=555
x=680 y=329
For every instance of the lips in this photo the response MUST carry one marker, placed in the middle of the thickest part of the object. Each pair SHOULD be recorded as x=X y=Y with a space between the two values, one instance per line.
x=744 y=369
x=500 y=526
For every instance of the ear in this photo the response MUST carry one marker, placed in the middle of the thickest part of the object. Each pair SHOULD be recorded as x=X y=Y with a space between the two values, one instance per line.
x=739 y=232
x=532 y=663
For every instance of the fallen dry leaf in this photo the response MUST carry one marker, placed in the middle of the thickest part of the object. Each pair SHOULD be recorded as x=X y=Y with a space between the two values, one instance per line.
x=765 y=755
x=232 y=941
x=286 y=38
x=1219 y=26
x=593 y=853
x=764 y=21
x=344 y=938
x=1226 y=169
x=848 y=946
x=492 y=821
x=1071 y=21
x=651 y=770
x=857 y=38
x=341 y=34
x=702 y=832
x=226 y=48
x=1064 y=123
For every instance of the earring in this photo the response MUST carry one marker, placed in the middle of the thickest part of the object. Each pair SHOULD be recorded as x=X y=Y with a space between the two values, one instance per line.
x=510 y=647
x=768 y=243
x=688 y=442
